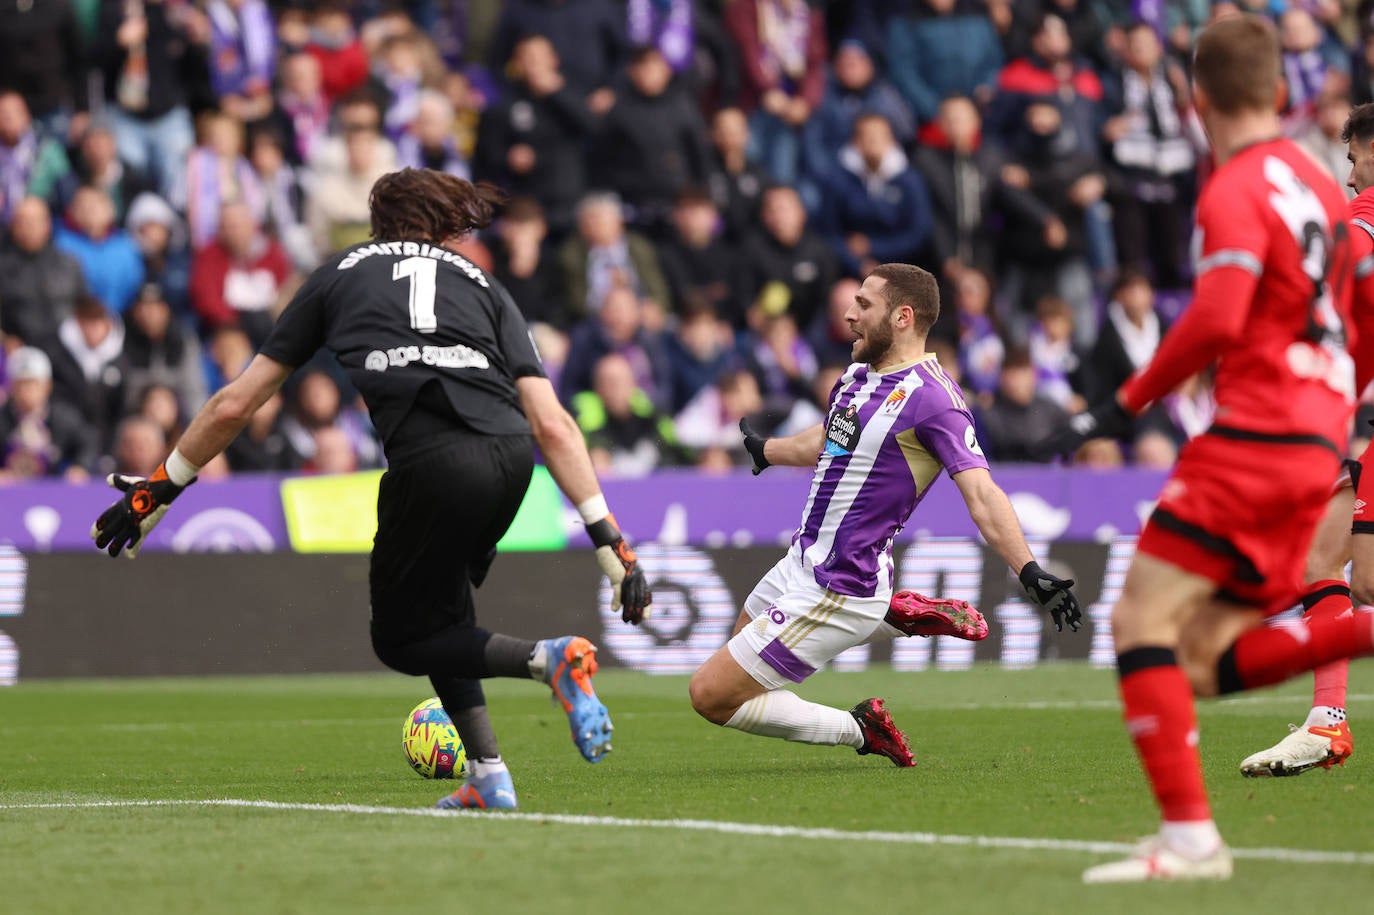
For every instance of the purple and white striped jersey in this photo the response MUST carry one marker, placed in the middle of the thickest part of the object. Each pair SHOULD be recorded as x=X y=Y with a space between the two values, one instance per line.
x=887 y=437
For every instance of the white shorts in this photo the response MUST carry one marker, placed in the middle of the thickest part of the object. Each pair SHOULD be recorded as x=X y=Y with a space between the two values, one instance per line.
x=799 y=626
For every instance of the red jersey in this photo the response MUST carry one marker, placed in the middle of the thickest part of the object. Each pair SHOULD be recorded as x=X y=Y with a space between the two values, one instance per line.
x=1361 y=218
x=1271 y=303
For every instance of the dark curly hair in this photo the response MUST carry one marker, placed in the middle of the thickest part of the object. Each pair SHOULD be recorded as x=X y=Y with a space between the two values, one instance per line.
x=420 y=204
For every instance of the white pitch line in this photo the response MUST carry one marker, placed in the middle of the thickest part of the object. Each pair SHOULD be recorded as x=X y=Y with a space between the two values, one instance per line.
x=1296 y=855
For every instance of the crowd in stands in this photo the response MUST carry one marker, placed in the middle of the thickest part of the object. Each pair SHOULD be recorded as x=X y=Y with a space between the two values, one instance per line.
x=695 y=189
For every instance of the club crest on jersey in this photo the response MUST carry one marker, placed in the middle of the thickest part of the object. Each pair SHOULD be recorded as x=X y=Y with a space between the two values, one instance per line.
x=842 y=434
x=894 y=401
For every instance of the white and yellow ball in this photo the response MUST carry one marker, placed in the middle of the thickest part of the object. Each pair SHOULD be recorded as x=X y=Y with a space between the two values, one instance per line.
x=431 y=743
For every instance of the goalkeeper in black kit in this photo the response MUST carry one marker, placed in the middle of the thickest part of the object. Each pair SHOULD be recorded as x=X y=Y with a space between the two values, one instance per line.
x=456 y=389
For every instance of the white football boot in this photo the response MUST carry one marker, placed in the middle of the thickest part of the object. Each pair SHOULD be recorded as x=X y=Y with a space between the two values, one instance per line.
x=1304 y=748
x=1153 y=860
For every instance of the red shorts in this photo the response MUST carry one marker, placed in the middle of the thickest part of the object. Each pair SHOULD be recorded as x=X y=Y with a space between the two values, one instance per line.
x=1362 y=478
x=1243 y=514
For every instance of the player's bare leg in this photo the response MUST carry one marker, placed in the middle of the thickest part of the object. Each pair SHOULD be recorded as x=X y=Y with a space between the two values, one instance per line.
x=1158 y=604
x=1324 y=738
x=724 y=693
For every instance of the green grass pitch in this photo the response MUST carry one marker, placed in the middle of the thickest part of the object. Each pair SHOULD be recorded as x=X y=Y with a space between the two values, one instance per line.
x=1036 y=754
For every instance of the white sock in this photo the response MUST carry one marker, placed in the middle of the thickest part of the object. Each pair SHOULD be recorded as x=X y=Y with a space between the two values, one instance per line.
x=1194 y=839
x=1324 y=716
x=480 y=768
x=539 y=660
x=779 y=713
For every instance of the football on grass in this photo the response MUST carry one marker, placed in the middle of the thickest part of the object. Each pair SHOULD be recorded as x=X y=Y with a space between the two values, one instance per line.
x=431 y=743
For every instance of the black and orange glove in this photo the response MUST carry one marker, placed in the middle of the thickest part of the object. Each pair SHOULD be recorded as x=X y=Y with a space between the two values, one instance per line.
x=629 y=588
x=127 y=523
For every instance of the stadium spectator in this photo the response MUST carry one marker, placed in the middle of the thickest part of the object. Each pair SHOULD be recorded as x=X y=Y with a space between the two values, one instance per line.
x=90 y=369
x=1152 y=149
x=43 y=59
x=109 y=258
x=139 y=445
x=980 y=348
x=941 y=48
x=782 y=361
x=618 y=327
x=1127 y=339
x=159 y=350
x=240 y=279
x=603 y=255
x=31 y=163
x=218 y=174
x=876 y=209
x=159 y=403
x=40 y=436
x=650 y=144
x=317 y=405
x=854 y=89
x=243 y=57
x=153 y=59
x=699 y=350
x=262 y=447
x=669 y=26
x=1050 y=72
x=1087 y=35
x=429 y=141
x=359 y=111
x=697 y=261
x=283 y=198
x=531 y=142
x=626 y=434
x=786 y=258
x=736 y=183
x=95 y=161
x=963 y=173
x=302 y=109
x=587 y=35
x=1311 y=56
x=1058 y=362
x=332 y=452
x=709 y=424
x=39 y=284
x=399 y=69
x=229 y=351
x=829 y=334
x=334 y=43
x=523 y=264
x=1362 y=70
x=1322 y=138
x=336 y=211
x=1019 y=416
x=160 y=235
x=1049 y=255
x=783 y=49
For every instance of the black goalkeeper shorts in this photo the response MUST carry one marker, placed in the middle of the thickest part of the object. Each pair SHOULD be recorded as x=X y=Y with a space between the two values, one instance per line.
x=438 y=514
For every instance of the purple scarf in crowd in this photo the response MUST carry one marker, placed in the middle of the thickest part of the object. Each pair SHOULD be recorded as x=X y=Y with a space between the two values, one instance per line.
x=665 y=24
x=243 y=47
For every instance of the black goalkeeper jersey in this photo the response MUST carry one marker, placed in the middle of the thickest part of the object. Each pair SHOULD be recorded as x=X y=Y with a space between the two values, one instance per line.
x=399 y=315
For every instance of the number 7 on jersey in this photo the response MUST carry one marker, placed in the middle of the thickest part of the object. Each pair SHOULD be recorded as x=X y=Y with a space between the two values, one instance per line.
x=421 y=272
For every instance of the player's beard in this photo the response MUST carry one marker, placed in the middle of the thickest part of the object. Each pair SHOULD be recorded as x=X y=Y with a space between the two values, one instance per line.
x=874 y=345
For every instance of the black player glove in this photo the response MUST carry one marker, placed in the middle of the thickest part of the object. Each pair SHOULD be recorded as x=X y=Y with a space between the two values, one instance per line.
x=1052 y=594
x=753 y=443
x=127 y=523
x=1106 y=420
x=629 y=588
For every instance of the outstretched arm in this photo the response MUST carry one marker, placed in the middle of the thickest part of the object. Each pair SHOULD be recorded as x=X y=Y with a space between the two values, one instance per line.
x=798 y=450
x=992 y=511
x=565 y=454
x=125 y=525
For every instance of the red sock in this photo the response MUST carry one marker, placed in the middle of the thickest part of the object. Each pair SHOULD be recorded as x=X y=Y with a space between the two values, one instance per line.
x=1329 y=600
x=1158 y=707
x=1272 y=654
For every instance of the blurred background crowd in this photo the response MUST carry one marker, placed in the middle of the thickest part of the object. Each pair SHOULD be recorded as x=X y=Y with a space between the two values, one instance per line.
x=696 y=189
